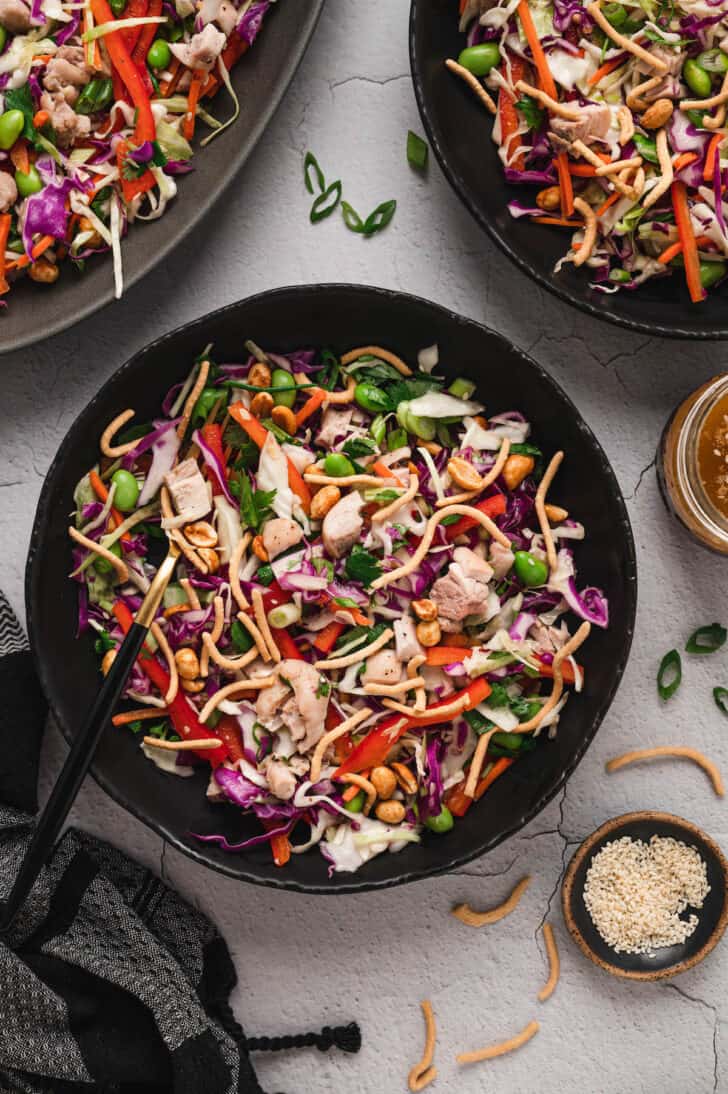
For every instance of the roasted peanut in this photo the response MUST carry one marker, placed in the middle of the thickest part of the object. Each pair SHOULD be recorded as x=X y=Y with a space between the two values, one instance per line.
x=430 y=446
x=86 y=225
x=426 y=610
x=43 y=271
x=259 y=549
x=555 y=513
x=200 y=534
x=210 y=558
x=549 y=199
x=384 y=782
x=284 y=417
x=428 y=633
x=323 y=500
x=405 y=778
x=192 y=686
x=107 y=661
x=390 y=812
x=657 y=114
x=259 y=375
x=515 y=470
x=482 y=422
x=463 y=474
x=261 y=404
x=188 y=664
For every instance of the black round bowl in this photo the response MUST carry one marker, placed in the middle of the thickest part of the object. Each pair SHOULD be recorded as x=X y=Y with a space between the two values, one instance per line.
x=670 y=960
x=459 y=130
x=340 y=316
x=260 y=79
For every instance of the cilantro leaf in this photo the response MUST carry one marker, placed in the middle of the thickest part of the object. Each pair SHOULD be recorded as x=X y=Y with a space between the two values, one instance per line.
x=104 y=642
x=360 y=446
x=363 y=636
x=20 y=98
x=242 y=640
x=362 y=566
x=255 y=505
x=532 y=113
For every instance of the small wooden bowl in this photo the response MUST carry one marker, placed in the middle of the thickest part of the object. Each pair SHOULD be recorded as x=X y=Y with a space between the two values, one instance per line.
x=671 y=960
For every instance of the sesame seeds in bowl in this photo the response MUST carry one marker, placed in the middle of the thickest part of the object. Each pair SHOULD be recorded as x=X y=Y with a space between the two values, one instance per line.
x=646 y=896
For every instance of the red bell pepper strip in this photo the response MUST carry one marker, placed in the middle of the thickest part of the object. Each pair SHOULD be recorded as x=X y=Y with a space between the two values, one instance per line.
x=508 y=115
x=437 y=656
x=181 y=712
x=135 y=9
x=131 y=188
x=121 y=59
x=229 y=732
x=494 y=506
x=687 y=238
x=567 y=671
x=145 y=37
x=212 y=436
x=286 y=644
x=280 y=845
x=326 y=639
x=373 y=750
x=259 y=434
x=457 y=800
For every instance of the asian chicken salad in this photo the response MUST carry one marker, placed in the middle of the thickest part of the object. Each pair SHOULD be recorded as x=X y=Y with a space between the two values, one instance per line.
x=375 y=610
x=99 y=104
x=616 y=112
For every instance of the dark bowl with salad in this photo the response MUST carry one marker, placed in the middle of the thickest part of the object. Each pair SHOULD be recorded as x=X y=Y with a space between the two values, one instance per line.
x=360 y=470
x=636 y=274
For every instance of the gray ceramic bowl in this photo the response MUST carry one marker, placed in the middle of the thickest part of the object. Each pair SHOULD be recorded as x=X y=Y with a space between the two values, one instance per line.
x=260 y=79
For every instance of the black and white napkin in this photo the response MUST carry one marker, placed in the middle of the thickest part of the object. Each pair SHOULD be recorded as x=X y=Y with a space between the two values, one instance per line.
x=109 y=982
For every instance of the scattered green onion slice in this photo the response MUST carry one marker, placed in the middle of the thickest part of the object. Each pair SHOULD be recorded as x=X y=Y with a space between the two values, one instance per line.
x=706 y=639
x=417 y=151
x=320 y=210
x=309 y=162
x=352 y=220
x=285 y=615
x=380 y=218
x=120 y=24
x=721 y=699
x=669 y=674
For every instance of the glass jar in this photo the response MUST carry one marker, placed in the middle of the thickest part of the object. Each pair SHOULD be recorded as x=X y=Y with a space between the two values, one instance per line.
x=692 y=464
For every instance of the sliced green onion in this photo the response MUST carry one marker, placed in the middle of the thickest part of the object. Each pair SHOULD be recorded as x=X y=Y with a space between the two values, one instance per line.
x=285 y=615
x=669 y=674
x=120 y=24
x=706 y=639
x=352 y=220
x=310 y=161
x=380 y=218
x=462 y=388
x=417 y=151
x=320 y=209
x=378 y=429
x=721 y=699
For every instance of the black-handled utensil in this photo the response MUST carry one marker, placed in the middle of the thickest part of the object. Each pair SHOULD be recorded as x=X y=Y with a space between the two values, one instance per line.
x=84 y=744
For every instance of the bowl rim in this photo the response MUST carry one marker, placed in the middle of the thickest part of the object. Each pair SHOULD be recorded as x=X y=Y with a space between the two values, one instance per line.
x=358 y=882
x=460 y=187
x=235 y=162
x=568 y=894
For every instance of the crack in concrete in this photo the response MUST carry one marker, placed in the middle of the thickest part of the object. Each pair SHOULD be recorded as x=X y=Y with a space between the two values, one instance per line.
x=714 y=1011
x=491 y=873
x=333 y=84
x=643 y=472
x=564 y=848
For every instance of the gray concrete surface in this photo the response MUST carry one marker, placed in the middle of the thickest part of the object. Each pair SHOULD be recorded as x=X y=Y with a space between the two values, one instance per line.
x=305 y=961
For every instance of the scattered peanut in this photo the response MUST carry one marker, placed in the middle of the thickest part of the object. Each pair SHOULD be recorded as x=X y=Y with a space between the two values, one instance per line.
x=43 y=271
x=430 y=446
x=323 y=500
x=384 y=782
x=549 y=199
x=657 y=114
x=284 y=417
x=188 y=664
x=426 y=610
x=210 y=557
x=200 y=534
x=429 y=633
x=259 y=375
x=192 y=686
x=391 y=812
x=107 y=661
x=86 y=225
x=259 y=549
x=405 y=778
x=261 y=404
x=482 y=422
x=555 y=513
x=463 y=474
x=515 y=470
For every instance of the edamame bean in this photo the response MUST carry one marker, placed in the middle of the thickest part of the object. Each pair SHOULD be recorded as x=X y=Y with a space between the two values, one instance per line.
x=337 y=465
x=371 y=398
x=713 y=60
x=529 y=569
x=3 y=38
x=102 y=565
x=620 y=276
x=615 y=14
x=356 y=804
x=281 y=378
x=442 y=823
x=711 y=273
x=12 y=123
x=127 y=490
x=27 y=184
x=159 y=55
x=697 y=79
x=480 y=59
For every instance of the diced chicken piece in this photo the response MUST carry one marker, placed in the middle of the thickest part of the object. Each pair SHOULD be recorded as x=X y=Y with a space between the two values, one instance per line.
x=406 y=641
x=66 y=72
x=279 y=534
x=473 y=565
x=473 y=10
x=501 y=559
x=593 y=124
x=67 y=124
x=227 y=17
x=190 y=493
x=214 y=791
x=304 y=712
x=14 y=16
x=8 y=191
x=383 y=667
x=343 y=524
x=334 y=423
x=281 y=780
x=457 y=596
x=202 y=50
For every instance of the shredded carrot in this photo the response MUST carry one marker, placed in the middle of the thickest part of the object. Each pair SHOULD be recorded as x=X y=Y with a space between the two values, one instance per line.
x=188 y=125
x=311 y=405
x=19 y=155
x=99 y=489
x=566 y=190
x=675 y=249
x=170 y=85
x=458 y=801
x=606 y=68
x=606 y=204
x=350 y=793
x=687 y=238
x=4 y=233
x=143 y=715
x=561 y=222
x=41 y=118
x=281 y=848
x=709 y=168
x=685 y=159
x=42 y=245
x=539 y=57
x=445 y=655
x=385 y=472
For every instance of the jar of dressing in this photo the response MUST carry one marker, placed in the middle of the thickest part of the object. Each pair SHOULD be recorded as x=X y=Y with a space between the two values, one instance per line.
x=692 y=464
